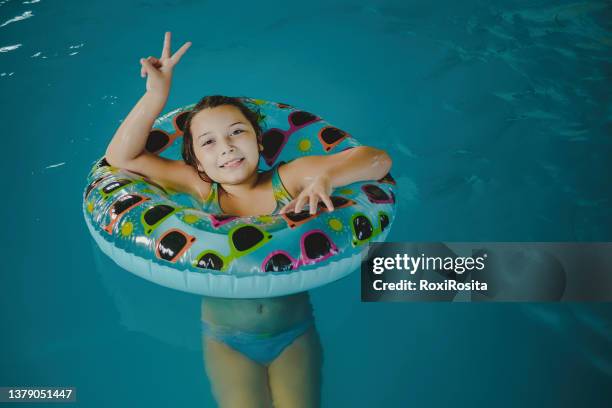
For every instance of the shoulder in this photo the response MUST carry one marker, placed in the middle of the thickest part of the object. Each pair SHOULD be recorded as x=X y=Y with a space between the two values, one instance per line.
x=183 y=177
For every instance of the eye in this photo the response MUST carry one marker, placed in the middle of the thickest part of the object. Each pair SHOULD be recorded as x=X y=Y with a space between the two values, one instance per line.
x=237 y=130
x=207 y=142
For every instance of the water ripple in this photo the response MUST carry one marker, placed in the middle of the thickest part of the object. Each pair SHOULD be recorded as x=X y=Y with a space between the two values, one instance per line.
x=8 y=48
x=24 y=16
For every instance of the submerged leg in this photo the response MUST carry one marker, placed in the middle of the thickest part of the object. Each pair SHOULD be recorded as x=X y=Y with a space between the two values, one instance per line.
x=295 y=375
x=236 y=380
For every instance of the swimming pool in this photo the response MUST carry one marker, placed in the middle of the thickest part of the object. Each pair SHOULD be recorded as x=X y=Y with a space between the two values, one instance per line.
x=497 y=116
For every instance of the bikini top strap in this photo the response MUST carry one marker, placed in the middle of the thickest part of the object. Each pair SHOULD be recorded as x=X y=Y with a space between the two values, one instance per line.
x=211 y=204
x=281 y=195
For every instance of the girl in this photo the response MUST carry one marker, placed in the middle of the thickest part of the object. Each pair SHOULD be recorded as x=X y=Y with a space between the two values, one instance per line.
x=256 y=351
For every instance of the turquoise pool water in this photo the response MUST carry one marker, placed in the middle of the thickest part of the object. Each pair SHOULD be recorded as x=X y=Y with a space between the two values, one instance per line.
x=497 y=116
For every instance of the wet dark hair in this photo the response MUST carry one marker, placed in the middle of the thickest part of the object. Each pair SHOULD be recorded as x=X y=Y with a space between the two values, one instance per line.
x=212 y=101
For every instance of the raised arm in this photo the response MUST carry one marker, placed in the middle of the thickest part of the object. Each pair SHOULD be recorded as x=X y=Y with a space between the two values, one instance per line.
x=127 y=147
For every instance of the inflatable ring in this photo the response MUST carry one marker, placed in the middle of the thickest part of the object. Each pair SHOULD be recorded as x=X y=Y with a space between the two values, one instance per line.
x=163 y=235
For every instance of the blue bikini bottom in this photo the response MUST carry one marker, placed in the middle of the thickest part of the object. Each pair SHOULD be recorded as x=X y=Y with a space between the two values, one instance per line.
x=260 y=347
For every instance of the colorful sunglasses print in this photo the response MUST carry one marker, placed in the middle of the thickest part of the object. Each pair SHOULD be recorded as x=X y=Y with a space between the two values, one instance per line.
x=364 y=231
x=154 y=216
x=242 y=239
x=113 y=187
x=95 y=183
x=331 y=137
x=121 y=207
x=218 y=220
x=315 y=246
x=296 y=219
x=159 y=140
x=284 y=105
x=274 y=139
x=387 y=179
x=377 y=195
x=100 y=164
x=173 y=244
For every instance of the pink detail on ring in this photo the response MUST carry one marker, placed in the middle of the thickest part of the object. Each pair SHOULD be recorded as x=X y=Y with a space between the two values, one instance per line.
x=286 y=133
x=303 y=259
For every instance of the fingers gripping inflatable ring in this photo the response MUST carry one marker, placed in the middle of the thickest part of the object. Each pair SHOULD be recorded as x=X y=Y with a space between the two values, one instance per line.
x=164 y=236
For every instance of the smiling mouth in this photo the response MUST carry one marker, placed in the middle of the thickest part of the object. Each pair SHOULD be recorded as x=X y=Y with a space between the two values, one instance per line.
x=233 y=163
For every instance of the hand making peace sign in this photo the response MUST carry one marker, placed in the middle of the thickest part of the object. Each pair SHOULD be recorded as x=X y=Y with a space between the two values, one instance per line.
x=159 y=70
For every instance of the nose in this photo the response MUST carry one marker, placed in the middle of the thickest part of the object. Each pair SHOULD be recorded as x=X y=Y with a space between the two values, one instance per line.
x=226 y=147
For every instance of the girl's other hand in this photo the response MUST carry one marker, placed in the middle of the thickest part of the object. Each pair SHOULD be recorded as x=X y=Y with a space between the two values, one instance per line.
x=319 y=188
x=159 y=70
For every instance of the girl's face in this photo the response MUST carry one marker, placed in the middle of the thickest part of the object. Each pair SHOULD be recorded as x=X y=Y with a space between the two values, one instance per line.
x=221 y=135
